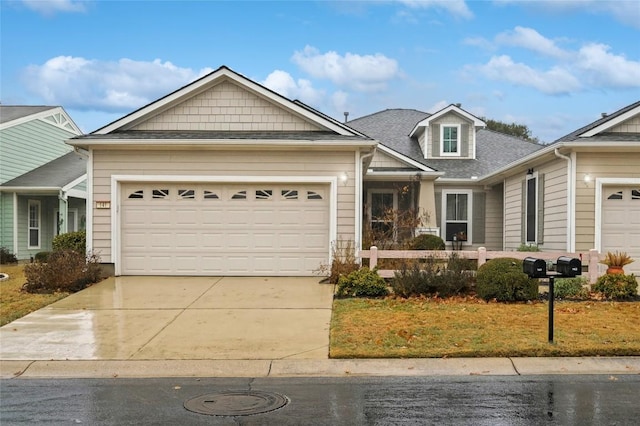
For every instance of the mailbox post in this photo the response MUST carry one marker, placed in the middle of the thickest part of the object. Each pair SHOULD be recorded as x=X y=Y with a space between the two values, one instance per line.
x=566 y=267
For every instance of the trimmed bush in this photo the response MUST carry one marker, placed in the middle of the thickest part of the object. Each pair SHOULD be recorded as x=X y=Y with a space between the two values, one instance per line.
x=426 y=242
x=570 y=288
x=502 y=279
x=75 y=241
x=42 y=256
x=362 y=283
x=528 y=247
x=6 y=257
x=617 y=286
x=65 y=270
x=432 y=277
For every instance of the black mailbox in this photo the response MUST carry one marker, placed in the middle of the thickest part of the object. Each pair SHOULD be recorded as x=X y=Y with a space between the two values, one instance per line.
x=569 y=266
x=535 y=268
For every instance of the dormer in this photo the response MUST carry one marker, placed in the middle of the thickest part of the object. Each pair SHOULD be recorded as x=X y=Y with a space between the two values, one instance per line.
x=449 y=133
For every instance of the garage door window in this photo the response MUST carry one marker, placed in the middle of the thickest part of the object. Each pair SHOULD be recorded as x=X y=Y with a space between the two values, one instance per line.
x=137 y=194
x=615 y=196
x=210 y=195
x=264 y=194
x=289 y=194
x=311 y=195
x=635 y=194
x=160 y=193
x=240 y=195
x=186 y=194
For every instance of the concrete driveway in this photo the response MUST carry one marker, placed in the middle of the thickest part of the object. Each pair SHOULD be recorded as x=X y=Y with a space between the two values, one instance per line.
x=179 y=318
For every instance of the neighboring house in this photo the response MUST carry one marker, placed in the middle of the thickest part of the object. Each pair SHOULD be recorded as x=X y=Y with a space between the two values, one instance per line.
x=42 y=179
x=226 y=177
x=578 y=193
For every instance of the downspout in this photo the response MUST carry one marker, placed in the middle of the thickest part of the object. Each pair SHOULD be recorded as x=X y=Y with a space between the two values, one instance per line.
x=359 y=188
x=570 y=201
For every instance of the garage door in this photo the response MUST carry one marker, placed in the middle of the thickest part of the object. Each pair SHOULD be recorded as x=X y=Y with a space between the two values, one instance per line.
x=224 y=229
x=621 y=223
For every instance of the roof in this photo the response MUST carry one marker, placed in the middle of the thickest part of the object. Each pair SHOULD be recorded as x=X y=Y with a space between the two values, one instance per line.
x=494 y=150
x=575 y=135
x=55 y=174
x=216 y=135
x=13 y=112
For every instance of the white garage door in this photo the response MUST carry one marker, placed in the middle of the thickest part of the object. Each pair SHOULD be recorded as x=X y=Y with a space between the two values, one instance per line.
x=224 y=229
x=621 y=223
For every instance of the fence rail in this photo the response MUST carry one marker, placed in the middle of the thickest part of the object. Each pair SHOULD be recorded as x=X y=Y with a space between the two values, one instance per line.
x=589 y=258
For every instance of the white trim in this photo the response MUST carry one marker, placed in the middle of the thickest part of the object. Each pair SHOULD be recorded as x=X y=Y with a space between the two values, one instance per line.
x=236 y=143
x=600 y=182
x=443 y=208
x=425 y=123
x=39 y=227
x=74 y=182
x=117 y=180
x=534 y=175
x=89 y=208
x=15 y=223
x=76 y=193
x=458 y=128
x=69 y=212
x=43 y=114
x=210 y=80
x=358 y=201
x=611 y=123
x=571 y=220
x=403 y=158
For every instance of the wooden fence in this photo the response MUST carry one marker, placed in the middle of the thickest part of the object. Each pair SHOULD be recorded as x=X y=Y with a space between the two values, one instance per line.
x=589 y=259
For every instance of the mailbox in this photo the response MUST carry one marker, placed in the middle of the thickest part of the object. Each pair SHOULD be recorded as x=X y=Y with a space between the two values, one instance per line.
x=569 y=266
x=535 y=268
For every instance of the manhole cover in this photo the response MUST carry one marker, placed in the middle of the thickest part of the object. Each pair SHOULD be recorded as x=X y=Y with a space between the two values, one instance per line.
x=236 y=403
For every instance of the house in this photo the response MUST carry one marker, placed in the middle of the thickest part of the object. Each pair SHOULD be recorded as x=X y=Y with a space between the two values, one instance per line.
x=579 y=193
x=226 y=177
x=42 y=179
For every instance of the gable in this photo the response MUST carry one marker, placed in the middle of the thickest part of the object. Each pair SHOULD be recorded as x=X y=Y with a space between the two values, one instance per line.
x=632 y=125
x=382 y=160
x=227 y=107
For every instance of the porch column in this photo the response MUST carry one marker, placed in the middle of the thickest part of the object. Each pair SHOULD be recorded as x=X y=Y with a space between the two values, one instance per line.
x=63 y=214
x=427 y=203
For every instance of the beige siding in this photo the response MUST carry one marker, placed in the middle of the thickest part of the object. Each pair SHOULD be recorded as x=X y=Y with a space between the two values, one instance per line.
x=555 y=207
x=219 y=163
x=227 y=107
x=597 y=165
x=383 y=160
x=631 y=125
x=466 y=140
x=494 y=218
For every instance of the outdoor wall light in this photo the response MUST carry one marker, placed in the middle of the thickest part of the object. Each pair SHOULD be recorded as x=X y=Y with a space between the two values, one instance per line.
x=344 y=177
x=587 y=179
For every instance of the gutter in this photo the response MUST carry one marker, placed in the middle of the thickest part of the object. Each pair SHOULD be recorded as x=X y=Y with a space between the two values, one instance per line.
x=571 y=210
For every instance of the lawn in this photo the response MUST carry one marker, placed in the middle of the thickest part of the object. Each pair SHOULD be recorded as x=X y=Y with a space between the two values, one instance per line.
x=15 y=303
x=467 y=327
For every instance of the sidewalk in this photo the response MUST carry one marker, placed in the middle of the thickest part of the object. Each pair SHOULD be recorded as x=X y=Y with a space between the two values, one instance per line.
x=318 y=367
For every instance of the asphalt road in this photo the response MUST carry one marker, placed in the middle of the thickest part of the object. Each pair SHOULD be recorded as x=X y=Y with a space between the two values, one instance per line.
x=473 y=400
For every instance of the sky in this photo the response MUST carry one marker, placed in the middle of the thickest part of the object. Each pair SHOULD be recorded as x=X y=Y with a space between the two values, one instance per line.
x=552 y=65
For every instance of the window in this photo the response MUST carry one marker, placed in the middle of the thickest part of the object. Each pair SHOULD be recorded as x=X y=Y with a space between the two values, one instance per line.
x=210 y=195
x=312 y=195
x=264 y=194
x=457 y=214
x=33 y=237
x=615 y=196
x=531 y=215
x=383 y=203
x=240 y=195
x=289 y=194
x=450 y=139
x=137 y=194
x=160 y=193
x=186 y=194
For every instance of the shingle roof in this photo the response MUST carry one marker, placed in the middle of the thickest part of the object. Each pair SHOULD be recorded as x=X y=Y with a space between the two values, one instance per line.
x=493 y=150
x=13 y=112
x=576 y=134
x=55 y=174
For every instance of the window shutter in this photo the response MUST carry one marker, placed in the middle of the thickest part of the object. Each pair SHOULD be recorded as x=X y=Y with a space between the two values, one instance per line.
x=523 y=213
x=479 y=215
x=438 y=201
x=540 y=212
x=435 y=140
x=465 y=149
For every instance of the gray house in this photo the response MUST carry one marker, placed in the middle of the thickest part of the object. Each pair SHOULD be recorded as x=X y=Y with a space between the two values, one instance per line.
x=42 y=179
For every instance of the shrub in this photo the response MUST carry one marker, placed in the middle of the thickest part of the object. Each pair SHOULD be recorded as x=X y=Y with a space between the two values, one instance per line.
x=75 y=241
x=362 y=283
x=432 y=277
x=427 y=242
x=65 y=270
x=6 y=257
x=343 y=261
x=42 y=256
x=528 y=247
x=502 y=279
x=617 y=286
x=570 y=287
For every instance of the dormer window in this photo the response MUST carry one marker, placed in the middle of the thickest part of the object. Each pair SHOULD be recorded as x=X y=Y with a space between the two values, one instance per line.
x=450 y=140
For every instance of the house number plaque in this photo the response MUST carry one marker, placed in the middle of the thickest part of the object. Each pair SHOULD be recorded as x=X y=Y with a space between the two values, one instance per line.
x=103 y=204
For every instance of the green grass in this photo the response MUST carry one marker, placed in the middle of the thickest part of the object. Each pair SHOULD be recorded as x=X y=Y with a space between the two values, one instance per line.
x=15 y=303
x=423 y=328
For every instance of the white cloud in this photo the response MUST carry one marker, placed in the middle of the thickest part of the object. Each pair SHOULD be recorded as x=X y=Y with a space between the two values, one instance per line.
x=368 y=73
x=529 y=38
x=438 y=106
x=457 y=8
x=282 y=83
x=606 y=69
x=50 y=7
x=553 y=81
x=109 y=86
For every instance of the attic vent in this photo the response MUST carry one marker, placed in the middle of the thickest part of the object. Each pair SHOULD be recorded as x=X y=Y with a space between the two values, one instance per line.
x=459 y=105
x=604 y=114
x=346 y=116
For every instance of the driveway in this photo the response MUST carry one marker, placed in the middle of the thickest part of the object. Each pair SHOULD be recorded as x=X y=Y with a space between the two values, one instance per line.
x=179 y=318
